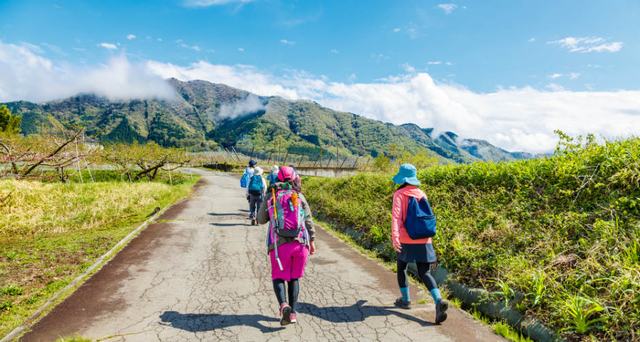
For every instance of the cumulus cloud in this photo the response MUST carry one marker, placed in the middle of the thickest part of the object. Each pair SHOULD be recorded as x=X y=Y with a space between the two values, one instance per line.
x=554 y=76
x=287 y=42
x=251 y=104
x=574 y=75
x=131 y=36
x=207 y=3
x=447 y=8
x=587 y=44
x=333 y=51
x=396 y=30
x=531 y=40
x=514 y=119
x=25 y=75
x=434 y=62
x=240 y=49
x=108 y=46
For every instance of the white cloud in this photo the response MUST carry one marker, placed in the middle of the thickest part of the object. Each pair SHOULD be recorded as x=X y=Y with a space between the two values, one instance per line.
x=287 y=42
x=574 y=75
x=108 y=46
x=554 y=76
x=241 y=49
x=31 y=47
x=27 y=76
x=587 y=44
x=447 y=8
x=449 y=63
x=531 y=40
x=54 y=49
x=434 y=63
x=131 y=36
x=514 y=118
x=555 y=87
x=207 y=3
x=396 y=30
x=159 y=39
x=250 y=104
x=195 y=47
x=334 y=51
x=408 y=68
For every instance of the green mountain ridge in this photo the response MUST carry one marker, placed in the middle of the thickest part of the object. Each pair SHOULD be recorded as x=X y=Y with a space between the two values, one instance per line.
x=206 y=115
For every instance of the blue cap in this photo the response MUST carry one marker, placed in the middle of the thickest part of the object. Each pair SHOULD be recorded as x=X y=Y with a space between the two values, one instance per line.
x=252 y=163
x=407 y=174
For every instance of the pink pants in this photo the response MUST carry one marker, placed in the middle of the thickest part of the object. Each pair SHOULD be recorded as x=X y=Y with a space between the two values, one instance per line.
x=293 y=257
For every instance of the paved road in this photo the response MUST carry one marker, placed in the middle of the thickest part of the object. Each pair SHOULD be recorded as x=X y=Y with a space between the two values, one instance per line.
x=202 y=273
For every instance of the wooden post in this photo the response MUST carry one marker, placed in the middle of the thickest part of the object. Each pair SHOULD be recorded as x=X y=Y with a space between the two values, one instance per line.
x=269 y=160
x=300 y=161
x=329 y=162
x=345 y=159
x=355 y=163
x=252 y=150
x=236 y=153
x=284 y=162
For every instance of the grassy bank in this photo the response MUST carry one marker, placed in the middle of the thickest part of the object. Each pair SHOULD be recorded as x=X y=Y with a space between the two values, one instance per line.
x=51 y=232
x=562 y=231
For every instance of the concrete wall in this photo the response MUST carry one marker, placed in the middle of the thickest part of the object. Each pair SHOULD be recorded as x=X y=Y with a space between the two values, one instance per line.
x=326 y=172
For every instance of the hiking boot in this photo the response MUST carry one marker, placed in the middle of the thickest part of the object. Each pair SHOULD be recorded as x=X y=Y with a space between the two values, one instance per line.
x=293 y=318
x=285 y=314
x=403 y=304
x=441 y=311
x=253 y=222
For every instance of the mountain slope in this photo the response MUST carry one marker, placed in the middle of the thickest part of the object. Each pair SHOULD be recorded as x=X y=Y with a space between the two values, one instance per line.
x=205 y=114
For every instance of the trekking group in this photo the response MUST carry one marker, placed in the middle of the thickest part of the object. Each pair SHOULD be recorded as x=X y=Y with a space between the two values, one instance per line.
x=291 y=233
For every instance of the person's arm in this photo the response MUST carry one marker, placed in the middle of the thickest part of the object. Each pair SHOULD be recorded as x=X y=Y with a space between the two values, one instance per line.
x=396 y=221
x=263 y=213
x=264 y=186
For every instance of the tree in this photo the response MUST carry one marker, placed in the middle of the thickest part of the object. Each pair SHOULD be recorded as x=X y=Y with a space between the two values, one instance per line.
x=9 y=123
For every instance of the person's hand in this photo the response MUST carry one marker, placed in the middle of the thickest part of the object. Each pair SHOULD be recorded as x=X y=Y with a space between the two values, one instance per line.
x=247 y=197
x=398 y=248
x=312 y=247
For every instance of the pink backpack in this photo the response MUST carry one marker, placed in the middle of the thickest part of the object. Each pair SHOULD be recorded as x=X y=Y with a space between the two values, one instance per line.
x=285 y=212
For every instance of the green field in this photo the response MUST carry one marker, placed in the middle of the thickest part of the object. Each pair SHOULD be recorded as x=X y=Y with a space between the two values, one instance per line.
x=562 y=231
x=51 y=232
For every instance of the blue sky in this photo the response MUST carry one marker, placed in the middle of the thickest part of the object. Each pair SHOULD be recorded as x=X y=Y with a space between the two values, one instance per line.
x=507 y=71
x=487 y=43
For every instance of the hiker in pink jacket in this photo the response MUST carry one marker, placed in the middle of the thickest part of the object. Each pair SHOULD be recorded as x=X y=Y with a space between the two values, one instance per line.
x=408 y=250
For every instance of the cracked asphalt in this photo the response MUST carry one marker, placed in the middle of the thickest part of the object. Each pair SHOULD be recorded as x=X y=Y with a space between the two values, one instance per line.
x=201 y=273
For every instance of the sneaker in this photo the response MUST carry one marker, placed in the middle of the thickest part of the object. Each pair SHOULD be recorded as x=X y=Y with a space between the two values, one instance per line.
x=253 y=222
x=293 y=318
x=441 y=311
x=404 y=304
x=285 y=314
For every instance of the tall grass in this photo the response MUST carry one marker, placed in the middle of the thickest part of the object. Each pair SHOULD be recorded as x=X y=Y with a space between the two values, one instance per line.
x=36 y=208
x=51 y=231
x=552 y=229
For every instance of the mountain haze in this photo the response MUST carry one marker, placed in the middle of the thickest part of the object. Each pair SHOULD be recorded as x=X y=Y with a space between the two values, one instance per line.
x=205 y=115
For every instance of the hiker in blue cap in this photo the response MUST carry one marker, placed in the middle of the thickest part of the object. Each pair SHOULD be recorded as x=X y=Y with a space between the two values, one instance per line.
x=412 y=228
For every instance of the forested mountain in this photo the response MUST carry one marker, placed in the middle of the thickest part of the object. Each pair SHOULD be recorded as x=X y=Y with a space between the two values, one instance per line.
x=204 y=115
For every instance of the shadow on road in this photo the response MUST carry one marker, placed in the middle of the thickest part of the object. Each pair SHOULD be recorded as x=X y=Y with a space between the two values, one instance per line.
x=208 y=322
x=355 y=313
x=226 y=224
x=226 y=214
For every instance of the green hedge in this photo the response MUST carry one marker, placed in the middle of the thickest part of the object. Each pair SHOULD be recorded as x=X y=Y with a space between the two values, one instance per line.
x=562 y=230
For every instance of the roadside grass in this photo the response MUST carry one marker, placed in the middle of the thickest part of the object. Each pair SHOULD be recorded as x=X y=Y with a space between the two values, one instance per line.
x=498 y=327
x=555 y=237
x=51 y=232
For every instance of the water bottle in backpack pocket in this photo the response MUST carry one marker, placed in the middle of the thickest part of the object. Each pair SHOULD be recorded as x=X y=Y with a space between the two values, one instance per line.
x=420 y=221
